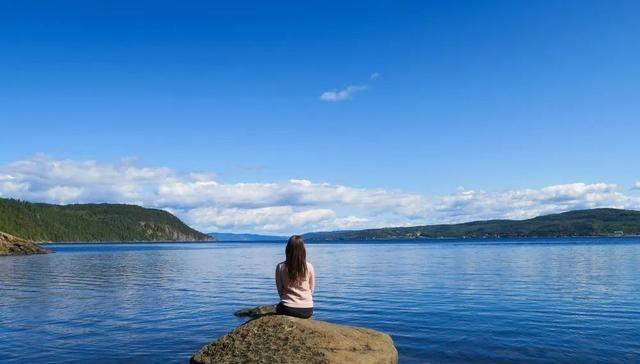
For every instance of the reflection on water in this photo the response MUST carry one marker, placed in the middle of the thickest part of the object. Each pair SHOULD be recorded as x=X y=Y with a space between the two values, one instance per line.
x=445 y=302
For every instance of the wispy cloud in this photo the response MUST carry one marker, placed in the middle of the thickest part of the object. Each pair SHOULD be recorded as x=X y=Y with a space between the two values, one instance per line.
x=636 y=186
x=296 y=205
x=347 y=92
x=341 y=95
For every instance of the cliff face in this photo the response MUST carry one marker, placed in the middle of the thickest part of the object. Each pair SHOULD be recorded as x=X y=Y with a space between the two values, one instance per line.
x=283 y=339
x=12 y=245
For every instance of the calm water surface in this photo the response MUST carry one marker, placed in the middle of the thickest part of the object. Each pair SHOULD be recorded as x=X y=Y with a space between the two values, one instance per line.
x=533 y=301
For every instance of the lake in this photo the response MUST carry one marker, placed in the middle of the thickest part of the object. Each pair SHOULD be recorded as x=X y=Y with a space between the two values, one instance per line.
x=503 y=301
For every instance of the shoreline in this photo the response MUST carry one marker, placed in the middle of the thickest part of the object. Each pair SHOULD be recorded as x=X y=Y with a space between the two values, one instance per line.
x=115 y=242
x=354 y=241
x=482 y=238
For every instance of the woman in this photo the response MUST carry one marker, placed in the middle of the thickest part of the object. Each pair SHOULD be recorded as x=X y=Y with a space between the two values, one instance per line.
x=295 y=280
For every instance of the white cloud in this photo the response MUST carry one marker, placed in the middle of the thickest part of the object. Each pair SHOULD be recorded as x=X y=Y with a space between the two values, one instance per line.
x=466 y=205
x=341 y=95
x=268 y=219
x=43 y=178
x=636 y=186
x=288 y=206
x=375 y=76
x=296 y=205
x=64 y=193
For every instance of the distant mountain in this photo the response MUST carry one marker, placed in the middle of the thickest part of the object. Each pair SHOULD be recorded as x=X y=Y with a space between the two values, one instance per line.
x=246 y=237
x=594 y=222
x=92 y=222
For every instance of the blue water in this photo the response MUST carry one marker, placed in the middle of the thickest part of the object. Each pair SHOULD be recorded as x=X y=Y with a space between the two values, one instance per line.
x=533 y=301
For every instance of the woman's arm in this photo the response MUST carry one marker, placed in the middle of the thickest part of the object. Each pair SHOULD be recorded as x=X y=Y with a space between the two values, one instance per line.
x=312 y=278
x=278 y=281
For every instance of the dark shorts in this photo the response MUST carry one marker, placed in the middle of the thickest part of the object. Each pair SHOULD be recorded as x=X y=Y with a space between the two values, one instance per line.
x=304 y=313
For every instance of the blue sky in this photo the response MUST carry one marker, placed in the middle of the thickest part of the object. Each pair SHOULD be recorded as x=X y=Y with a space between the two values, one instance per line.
x=494 y=97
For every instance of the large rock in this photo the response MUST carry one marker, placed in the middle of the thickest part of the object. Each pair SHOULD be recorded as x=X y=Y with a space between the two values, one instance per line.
x=284 y=339
x=12 y=245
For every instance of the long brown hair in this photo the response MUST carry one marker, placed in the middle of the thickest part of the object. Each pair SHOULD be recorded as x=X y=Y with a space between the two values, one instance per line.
x=296 y=259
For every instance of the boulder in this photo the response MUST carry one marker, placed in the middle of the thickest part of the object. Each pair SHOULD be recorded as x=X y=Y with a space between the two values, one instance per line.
x=284 y=339
x=12 y=245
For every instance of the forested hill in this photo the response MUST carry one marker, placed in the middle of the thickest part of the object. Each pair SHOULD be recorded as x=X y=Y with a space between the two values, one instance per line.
x=595 y=222
x=92 y=222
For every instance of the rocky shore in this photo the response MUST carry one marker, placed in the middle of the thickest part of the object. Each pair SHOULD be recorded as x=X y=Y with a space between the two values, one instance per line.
x=284 y=339
x=12 y=245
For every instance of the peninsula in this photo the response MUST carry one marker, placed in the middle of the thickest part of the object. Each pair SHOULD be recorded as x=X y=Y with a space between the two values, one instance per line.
x=92 y=222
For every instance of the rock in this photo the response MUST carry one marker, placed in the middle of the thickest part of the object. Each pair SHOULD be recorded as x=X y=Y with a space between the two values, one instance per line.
x=257 y=311
x=12 y=245
x=284 y=339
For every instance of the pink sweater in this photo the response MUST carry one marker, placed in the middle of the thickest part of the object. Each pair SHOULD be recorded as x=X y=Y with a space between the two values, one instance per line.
x=300 y=294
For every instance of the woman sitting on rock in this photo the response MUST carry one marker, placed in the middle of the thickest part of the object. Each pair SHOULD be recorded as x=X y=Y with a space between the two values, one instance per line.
x=295 y=281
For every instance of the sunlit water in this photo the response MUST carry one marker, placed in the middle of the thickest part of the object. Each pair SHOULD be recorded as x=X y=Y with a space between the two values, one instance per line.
x=533 y=301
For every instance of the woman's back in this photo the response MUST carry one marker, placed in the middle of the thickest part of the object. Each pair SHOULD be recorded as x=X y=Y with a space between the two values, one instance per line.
x=297 y=293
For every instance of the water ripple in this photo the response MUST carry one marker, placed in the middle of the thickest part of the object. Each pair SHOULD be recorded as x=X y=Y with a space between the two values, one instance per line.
x=453 y=302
